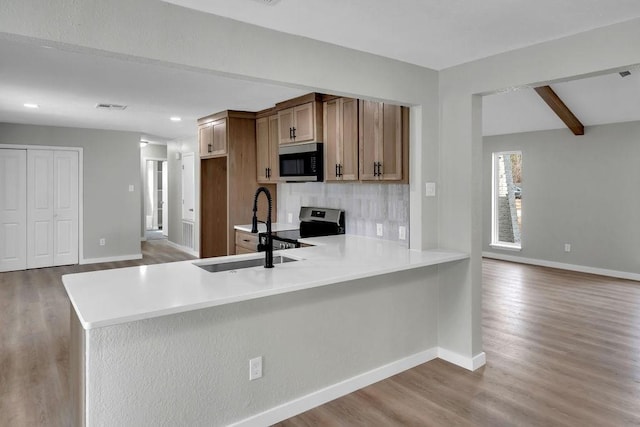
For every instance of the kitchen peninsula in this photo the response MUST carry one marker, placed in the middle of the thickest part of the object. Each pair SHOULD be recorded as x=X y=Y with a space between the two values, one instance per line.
x=170 y=343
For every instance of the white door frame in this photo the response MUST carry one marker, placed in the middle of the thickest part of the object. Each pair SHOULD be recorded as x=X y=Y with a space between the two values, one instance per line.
x=80 y=151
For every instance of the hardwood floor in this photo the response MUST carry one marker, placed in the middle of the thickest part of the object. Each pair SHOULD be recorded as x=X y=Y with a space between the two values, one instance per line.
x=34 y=339
x=562 y=348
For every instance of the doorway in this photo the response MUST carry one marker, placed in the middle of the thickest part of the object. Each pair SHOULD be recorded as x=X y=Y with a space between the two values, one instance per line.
x=156 y=199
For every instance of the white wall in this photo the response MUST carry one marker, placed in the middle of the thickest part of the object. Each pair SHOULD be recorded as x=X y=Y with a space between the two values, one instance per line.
x=111 y=163
x=581 y=190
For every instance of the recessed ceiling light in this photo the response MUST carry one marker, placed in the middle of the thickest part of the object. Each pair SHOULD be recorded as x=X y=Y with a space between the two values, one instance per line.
x=143 y=144
x=176 y=119
x=28 y=105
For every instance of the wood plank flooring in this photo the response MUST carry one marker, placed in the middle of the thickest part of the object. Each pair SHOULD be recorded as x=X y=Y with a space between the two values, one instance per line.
x=34 y=339
x=563 y=349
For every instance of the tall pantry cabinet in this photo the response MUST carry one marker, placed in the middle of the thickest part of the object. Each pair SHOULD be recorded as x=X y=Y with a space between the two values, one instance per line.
x=228 y=180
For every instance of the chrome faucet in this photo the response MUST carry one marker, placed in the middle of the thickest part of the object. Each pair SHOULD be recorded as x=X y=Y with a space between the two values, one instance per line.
x=268 y=250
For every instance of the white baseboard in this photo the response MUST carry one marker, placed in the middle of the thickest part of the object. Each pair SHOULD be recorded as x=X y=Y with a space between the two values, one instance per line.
x=317 y=398
x=470 y=363
x=183 y=248
x=110 y=259
x=562 y=266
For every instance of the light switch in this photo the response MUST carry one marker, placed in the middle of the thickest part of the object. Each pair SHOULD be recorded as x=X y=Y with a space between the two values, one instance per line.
x=131 y=188
x=430 y=189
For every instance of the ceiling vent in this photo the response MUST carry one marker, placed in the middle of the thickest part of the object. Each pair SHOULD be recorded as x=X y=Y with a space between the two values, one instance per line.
x=110 y=107
x=625 y=73
x=267 y=2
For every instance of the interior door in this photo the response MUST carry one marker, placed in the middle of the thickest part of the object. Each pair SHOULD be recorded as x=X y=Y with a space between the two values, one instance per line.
x=65 y=207
x=13 y=210
x=40 y=208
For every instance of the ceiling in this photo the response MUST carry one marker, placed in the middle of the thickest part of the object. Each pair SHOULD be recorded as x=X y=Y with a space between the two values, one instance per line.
x=432 y=33
x=67 y=85
x=596 y=100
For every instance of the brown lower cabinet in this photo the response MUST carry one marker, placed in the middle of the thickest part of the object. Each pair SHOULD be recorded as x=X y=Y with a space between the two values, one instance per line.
x=246 y=242
x=228 y=184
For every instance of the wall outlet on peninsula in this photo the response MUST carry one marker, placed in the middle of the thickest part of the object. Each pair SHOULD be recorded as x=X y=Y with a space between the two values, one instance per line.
x=255 y=368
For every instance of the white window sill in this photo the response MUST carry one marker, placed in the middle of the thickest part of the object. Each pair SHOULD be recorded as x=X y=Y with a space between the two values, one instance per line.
x=506 y=247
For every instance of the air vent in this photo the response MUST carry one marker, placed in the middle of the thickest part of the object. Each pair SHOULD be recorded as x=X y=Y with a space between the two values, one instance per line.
x=110 y=107
x=267 y=2
x=625 y=73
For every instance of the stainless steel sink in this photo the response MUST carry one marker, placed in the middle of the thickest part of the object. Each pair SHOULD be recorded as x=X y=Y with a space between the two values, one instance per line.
x=245 y=263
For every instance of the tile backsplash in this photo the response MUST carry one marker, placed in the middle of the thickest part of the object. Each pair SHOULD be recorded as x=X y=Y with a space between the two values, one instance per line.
x=365 y=205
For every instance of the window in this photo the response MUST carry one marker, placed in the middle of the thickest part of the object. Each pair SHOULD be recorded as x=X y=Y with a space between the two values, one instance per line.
x=506 y=195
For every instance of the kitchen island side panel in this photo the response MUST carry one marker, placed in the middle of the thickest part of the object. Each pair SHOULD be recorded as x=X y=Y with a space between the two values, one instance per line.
x=192 y=368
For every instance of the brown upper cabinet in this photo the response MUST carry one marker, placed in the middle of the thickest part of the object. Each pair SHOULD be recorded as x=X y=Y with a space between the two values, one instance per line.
x=341 y=139
x=267 y=149
x=384 y=142
x=300 y=119
x=212 y=137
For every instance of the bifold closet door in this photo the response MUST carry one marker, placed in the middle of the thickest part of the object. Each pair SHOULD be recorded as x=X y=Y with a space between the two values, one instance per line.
x=39 y=208
x=13 y=210
x=52 y=208
x=65 y=207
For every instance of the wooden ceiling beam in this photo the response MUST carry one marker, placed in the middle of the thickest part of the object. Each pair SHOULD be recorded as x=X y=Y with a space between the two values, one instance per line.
x=559 y=107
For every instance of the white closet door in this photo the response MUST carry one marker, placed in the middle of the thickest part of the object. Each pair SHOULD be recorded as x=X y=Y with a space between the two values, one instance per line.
x=40 y=208
x=13 y=210
x=65 y=207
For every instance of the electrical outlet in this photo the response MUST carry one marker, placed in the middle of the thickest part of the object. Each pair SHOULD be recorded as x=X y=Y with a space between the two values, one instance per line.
x=103 y=241
x=402 y=232
x=255 y=368
x=379 y=230
x=289 y=217
x=131 y=188
x=567 y=247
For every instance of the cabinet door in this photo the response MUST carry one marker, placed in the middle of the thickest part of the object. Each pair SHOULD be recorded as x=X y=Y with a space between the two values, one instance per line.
x=390 y=155
x=262 y=149
x=370 y=126
x=303 y=122
x=274 y=164
x=349 y=139
x=219 y=137
x=286 y=125
x=205 y=139
x=331 y=140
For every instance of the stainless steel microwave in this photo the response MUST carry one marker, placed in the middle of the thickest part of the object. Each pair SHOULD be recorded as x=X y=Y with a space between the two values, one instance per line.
x=301 y=162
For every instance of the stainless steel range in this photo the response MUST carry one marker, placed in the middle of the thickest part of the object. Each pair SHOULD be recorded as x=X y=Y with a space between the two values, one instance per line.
x=314 y=222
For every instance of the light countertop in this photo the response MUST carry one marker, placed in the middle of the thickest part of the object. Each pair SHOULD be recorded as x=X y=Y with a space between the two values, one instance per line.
x=276 y=226
x=112 y=297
